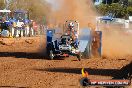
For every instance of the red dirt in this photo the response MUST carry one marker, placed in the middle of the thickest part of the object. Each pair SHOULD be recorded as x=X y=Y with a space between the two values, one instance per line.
x=22 y=67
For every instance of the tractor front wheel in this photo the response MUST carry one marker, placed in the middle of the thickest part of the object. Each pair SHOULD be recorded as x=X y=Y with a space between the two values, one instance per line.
x=51 y=55
x=79 y=56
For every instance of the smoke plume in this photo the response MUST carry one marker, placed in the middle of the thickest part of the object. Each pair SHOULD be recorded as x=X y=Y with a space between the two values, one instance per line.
x=116 y=42
x=80 y=10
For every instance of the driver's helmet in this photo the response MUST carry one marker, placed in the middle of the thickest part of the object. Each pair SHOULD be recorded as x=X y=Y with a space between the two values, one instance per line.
x=66 y=34
x=71 y=25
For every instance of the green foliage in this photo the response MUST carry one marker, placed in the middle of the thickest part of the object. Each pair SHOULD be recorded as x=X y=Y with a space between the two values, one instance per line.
x=129 y=9
x=115 y=8
x=102 y=8
x=37 y=8
x=130 y=2
x=2 y=5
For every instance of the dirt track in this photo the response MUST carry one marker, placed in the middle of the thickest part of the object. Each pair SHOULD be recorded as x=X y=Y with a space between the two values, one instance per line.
x=22 y=67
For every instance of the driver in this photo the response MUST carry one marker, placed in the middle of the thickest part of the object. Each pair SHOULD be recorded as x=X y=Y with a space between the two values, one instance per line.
x=71 y=25
x=70 y=28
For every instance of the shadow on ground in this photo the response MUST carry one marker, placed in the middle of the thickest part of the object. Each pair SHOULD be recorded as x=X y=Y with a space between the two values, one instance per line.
x=28 y=55
x=123 y=73
x=12 y=87
x=103 y=72
x=22 y=55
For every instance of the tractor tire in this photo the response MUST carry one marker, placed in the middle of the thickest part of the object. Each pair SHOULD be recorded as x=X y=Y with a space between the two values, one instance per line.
x=79 y=56
x=51 y=55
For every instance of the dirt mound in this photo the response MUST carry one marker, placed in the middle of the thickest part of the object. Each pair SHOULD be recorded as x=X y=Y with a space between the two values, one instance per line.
x=29 y=41
x=6 y=41
x=29 y=44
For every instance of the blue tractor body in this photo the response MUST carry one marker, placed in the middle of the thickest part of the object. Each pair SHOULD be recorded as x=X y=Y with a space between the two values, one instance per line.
x=49 y=35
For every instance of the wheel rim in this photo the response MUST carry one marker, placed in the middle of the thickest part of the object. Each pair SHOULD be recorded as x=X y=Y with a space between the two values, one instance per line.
x=51 y=55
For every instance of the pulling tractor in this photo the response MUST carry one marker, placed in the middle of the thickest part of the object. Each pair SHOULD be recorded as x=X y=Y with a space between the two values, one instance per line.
x=13 y=24
x=82 y=43
x=67 y=44
x=21 y=23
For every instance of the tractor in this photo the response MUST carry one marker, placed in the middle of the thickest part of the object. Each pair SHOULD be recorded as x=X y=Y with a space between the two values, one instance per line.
x=21 y=21
x=67 y=44
x=82 y=43
x=5 y=22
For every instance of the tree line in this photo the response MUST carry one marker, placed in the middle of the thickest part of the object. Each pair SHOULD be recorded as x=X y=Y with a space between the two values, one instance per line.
x=118 y=9
x=38 y=9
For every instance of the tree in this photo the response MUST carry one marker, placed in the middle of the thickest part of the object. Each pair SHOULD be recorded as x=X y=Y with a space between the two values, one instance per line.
x=115 y=8
x=2 y=4
x=129 y=9
x=37 y=8
x=115 y=1
x=102 y=9
x=130 y=2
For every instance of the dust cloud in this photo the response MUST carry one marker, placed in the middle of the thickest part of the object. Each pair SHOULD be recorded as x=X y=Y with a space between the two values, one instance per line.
x=80 y=10
x=116 y=42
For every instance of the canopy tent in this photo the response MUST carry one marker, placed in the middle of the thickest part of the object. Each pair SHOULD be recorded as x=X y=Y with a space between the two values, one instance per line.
x=5 y=11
